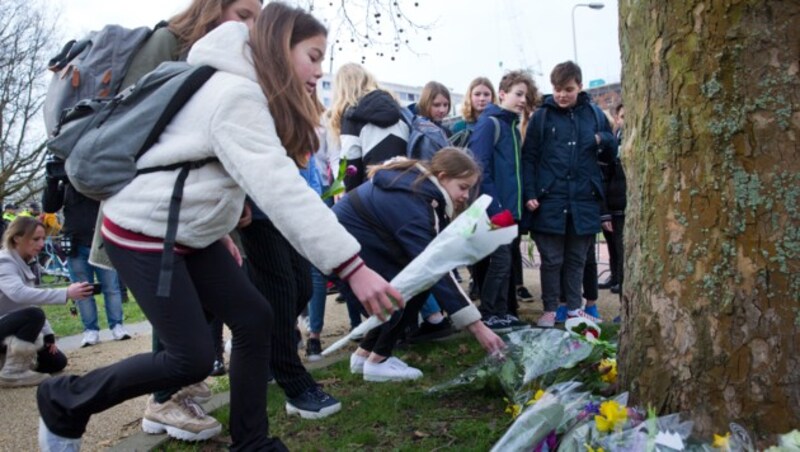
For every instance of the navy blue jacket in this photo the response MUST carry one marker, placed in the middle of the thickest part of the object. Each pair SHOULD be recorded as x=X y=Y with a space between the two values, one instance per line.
x=560 y=157
x=412 y=213
x=502 y=169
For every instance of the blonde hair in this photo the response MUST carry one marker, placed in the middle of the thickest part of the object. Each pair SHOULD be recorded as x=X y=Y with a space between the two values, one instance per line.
x=451 y=162
x=469 y=114
x=429 y=93
x=22 y=227
x=352 y=82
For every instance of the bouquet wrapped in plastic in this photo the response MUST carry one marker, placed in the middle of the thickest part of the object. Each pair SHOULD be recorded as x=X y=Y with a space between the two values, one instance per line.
x=531 y=354
x=466 y=240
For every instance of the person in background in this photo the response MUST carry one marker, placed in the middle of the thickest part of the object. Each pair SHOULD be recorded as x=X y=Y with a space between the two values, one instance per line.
x=366 y=121
x=563 y=187
x=80 y=215
x=394 y=217
x=434 y=104
x=502 y=180
x=480 y=94
x=254 y=141
x=30 y=347
x=616 y=186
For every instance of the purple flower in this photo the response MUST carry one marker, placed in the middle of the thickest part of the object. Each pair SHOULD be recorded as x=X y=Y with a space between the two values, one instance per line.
x=588 y=410
x=549 y=443
x=351 y=170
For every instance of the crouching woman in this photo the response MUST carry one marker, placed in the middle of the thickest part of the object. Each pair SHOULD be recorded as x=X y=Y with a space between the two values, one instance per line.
x=28 y=358
x=394 y=217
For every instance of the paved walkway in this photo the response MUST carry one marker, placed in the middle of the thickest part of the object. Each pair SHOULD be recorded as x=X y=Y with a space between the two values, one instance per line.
x=70 y=343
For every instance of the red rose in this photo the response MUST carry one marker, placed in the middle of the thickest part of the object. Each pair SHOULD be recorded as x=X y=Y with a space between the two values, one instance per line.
x=502 y=219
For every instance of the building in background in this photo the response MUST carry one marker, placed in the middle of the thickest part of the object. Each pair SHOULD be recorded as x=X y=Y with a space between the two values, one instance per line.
x=405 y=94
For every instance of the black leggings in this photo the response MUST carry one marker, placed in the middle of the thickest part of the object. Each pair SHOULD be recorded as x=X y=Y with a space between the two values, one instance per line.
x=205 y=279
x=26 y=324
x=382 y=339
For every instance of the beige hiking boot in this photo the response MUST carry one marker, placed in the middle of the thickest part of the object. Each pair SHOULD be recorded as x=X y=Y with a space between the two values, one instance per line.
x=181 y=418
x=20 y=359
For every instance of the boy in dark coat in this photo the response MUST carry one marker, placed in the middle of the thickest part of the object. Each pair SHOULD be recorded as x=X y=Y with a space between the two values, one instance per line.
x=499 y=154
x=564 y=186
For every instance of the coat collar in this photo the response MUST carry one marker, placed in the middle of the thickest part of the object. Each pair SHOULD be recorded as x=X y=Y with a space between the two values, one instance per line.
x=448 y=208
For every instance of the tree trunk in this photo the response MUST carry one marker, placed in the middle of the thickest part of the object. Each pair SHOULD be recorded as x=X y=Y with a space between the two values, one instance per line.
x=712 y=292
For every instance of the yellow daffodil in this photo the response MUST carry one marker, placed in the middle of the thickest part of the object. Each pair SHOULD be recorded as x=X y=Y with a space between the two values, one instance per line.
x=722 y=441
x=514 y=409
x=608 y=370
x=592 y=449
x=612 y=416
x=539 y=394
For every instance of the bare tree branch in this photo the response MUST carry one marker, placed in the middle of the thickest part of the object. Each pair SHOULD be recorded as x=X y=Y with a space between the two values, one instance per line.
x=26 y=40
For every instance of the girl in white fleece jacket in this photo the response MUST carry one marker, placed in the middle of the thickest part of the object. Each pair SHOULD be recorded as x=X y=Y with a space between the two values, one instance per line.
x=255 y=116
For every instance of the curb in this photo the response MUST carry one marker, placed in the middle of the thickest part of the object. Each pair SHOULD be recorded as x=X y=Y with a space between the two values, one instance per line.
x=141 y=442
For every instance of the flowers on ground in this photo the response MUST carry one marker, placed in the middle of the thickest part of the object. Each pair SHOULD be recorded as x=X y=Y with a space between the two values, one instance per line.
x=608 y=370
x=514 y=409
x=722 y=441
x=612 y=416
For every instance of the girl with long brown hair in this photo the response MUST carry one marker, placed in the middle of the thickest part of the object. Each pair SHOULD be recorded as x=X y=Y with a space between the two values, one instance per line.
x=228 y=118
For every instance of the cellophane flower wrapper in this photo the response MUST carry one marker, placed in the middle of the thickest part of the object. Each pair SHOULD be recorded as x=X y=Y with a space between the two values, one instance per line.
x=465 y=241
x=560 y=403
x=530 y=354
x=665 y=434
x=583 y=431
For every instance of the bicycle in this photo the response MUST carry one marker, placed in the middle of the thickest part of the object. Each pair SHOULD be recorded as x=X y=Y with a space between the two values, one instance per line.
x=53 y=259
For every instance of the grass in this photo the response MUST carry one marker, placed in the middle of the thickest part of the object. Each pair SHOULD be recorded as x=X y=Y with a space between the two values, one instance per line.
x=388 y=416
x=65 y=324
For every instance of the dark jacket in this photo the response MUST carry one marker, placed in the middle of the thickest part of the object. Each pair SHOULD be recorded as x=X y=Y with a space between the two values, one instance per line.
x=409 y=214
x=502 y=170
x=560 y=158
x=80 y=212
x=372 y=132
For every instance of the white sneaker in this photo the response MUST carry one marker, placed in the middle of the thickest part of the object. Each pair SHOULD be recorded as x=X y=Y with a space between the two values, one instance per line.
x=357 y=364
x=90 y=337
x=392 y=369
x=120 y=333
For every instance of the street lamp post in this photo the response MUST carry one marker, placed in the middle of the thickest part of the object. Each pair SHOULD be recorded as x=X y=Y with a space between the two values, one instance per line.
x=596 y=5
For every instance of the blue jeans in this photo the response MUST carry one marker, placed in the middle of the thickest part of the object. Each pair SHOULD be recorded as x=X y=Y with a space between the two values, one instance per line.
x=81 y=270
x=316 y=305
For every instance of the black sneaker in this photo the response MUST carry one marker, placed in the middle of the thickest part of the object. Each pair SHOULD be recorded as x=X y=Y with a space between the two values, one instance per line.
x=313 y=404
x=313 y=349
x=607 y=283
x=615 y=289
x=524 y=295
x=497 y=324
x=219 y=368
x=430 y=331
x=514 y=323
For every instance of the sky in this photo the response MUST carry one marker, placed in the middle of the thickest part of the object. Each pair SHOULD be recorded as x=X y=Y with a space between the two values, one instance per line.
x=469 y=38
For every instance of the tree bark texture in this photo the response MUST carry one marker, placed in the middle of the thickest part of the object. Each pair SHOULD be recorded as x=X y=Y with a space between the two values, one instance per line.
x=712 y=292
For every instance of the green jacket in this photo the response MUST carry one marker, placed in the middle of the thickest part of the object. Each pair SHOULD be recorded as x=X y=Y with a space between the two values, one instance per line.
x=162 y=46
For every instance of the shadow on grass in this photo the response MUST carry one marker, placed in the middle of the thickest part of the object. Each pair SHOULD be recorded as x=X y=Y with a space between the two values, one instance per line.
x=388 y=416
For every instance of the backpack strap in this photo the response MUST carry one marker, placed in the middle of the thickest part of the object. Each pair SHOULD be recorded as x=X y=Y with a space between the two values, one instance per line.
x=168 y=255
x=396 y=252
x=496 y=123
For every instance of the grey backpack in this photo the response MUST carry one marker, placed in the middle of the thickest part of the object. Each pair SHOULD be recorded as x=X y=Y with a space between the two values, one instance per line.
x=93 y=67
x=100 y=140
